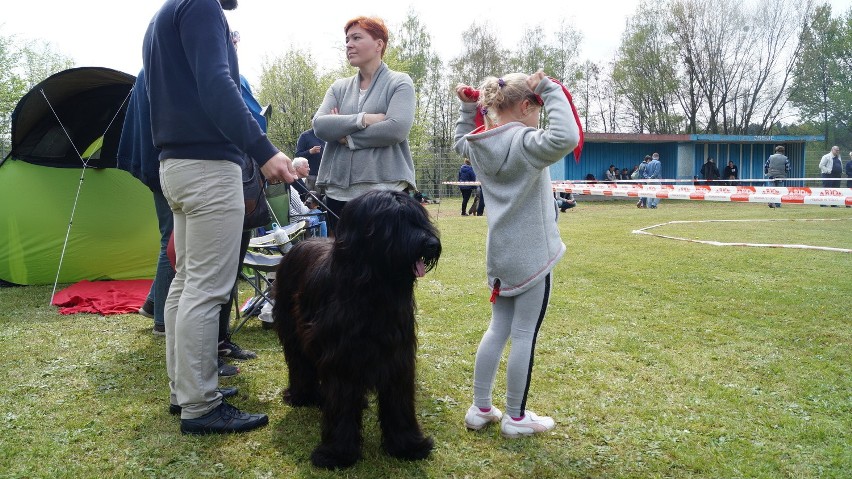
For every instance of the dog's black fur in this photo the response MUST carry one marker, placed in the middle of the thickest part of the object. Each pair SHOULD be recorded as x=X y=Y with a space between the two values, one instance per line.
x=344 y=313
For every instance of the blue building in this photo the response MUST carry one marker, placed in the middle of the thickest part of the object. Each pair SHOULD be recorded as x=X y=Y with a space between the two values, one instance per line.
x=682 y=156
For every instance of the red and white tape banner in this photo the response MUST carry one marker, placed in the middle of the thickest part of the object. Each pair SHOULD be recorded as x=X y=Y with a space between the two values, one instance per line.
x=802 y=195
x=746 y=194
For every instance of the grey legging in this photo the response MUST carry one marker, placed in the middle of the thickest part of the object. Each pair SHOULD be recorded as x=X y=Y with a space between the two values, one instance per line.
x=518 y=317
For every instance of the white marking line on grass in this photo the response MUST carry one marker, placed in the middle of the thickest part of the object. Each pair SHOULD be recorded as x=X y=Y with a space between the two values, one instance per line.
x=644 y=231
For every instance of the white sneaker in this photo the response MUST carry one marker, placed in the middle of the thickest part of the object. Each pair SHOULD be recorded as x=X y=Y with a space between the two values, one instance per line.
x=476 y=419
x=530 y=424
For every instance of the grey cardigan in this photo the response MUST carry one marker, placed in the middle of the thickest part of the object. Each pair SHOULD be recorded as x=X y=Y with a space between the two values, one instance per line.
x=377 y=154
x=511 y=162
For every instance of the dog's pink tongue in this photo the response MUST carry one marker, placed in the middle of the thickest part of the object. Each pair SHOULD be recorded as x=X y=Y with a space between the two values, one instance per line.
x=419 y=268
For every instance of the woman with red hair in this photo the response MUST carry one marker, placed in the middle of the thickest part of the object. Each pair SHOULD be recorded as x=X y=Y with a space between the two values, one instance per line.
x=365 y=120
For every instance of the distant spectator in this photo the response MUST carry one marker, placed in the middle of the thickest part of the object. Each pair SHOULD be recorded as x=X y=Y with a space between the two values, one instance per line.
x=830 y=167
x=777 y=167
x=731 y=172
x=641 y=174
x=565 y=201
x=849 y=174
x=466 y=174
x=709 y=171
x=654 y=171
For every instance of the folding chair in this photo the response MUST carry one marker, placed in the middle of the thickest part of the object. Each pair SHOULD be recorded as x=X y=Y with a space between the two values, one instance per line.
x=259 y=265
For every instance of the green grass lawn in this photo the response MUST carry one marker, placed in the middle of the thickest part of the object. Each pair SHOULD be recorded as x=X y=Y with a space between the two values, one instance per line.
x=657 y=358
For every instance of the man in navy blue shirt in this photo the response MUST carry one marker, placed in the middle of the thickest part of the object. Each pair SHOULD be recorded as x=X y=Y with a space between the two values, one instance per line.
x=310 y=147
x=203 y=130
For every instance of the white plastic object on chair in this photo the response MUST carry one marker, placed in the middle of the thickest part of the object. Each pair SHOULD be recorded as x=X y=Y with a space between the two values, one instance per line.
x=279 y=236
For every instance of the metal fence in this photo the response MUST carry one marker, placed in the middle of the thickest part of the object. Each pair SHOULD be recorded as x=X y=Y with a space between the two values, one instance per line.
x=433 y=167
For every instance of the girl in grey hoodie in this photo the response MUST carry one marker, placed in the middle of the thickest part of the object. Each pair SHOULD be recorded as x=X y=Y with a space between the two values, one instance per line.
x=511 y=155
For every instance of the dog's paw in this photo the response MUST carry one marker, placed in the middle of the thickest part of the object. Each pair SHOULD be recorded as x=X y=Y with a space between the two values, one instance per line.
x=330 y=458
x=412 y=451
x=300 y=400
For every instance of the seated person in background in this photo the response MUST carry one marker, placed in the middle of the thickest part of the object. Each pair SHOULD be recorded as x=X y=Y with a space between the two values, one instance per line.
x=612 y=174
x=316 y=217
x=565 y=201
x=298 y=210
x=625 y=174
x=591 y=178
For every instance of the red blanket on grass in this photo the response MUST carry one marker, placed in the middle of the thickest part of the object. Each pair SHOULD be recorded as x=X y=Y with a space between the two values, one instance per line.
x=103 y=297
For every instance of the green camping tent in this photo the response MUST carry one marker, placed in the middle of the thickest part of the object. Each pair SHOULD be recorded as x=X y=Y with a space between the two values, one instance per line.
x=114 y=234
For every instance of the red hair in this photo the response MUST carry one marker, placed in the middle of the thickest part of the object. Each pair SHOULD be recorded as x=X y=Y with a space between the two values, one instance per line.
x=374 y=26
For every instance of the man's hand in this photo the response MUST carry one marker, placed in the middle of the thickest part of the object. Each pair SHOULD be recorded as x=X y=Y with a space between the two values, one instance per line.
x=315 y=149
x=279 y=168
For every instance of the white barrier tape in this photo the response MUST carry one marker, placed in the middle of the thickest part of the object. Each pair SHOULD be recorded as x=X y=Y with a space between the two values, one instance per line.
x=673 y=181
x=754 y=245
x=745 y=194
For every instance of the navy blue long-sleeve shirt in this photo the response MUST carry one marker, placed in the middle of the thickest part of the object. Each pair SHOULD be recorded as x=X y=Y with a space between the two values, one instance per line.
x=136 y=151
x=307 y=140
x=193 y=84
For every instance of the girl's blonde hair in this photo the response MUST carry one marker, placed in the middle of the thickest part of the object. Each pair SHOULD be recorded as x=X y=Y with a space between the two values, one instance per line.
x=499 y=94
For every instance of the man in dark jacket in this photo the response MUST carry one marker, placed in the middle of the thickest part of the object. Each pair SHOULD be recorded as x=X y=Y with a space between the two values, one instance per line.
x=466 y=174
x=709 y=171
x=203 y=130
x=310 y=147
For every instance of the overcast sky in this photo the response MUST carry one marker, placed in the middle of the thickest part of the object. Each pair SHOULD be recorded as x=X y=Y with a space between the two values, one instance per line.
x=109 y=32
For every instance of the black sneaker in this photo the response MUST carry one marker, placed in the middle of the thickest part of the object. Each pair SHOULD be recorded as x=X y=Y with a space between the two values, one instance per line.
x=147 y=309
x=159 y=329
x=223 y=419
x=175 y=410
x=226 y=370
x=229 y=349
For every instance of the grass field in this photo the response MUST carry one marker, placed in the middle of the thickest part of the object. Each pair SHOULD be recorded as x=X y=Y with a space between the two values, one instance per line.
x=657 y=358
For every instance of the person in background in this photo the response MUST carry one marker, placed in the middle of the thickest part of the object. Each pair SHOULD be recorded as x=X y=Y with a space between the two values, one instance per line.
x=310 y=147
x=565 y=201
x=849 y=174
x=654 y=171
x=731 y=173
x=643 y=167
x=776 y=168
x=365 y=121
x=831 y=166
x=466 y=174
x=190 y=63
x=710 y=172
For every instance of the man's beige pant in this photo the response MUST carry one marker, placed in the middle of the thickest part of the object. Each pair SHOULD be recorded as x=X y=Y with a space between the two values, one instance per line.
x=206 y=198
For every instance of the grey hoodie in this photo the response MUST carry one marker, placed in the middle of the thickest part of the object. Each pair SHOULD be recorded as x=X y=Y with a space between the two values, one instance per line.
x=511 y=162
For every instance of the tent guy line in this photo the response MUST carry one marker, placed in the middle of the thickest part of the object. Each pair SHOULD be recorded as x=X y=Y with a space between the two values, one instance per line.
x=82 y=177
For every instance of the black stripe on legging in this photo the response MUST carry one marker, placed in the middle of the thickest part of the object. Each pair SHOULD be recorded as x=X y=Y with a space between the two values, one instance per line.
x=535 y=337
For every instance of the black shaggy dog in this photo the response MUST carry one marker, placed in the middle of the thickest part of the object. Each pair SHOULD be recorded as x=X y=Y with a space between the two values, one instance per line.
x=344 y=313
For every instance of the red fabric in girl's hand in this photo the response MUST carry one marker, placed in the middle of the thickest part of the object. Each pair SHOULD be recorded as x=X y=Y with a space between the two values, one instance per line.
x=478 y=120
